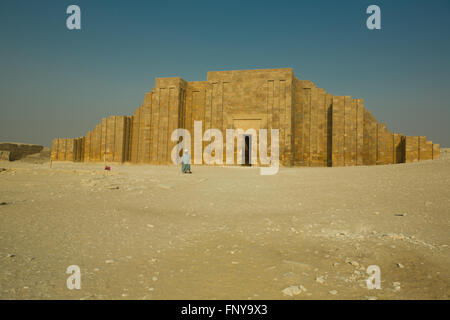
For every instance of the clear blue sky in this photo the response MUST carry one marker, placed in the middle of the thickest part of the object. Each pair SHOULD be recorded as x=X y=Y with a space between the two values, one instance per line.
x=60 y=83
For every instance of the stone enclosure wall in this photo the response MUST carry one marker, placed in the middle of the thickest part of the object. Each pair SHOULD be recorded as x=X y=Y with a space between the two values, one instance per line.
x=15 y=151
x=315 y=128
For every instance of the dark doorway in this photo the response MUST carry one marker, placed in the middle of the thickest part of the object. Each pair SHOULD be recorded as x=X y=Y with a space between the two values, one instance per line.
x=247 y=150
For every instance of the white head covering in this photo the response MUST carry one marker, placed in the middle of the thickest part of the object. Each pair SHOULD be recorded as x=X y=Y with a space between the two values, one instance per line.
x=186 y=150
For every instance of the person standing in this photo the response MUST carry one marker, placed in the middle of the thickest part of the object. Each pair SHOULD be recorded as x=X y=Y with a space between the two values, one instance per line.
x=186 y=162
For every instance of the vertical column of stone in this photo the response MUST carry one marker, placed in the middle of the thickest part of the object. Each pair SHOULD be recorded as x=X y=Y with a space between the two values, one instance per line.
x=359 y=131
x=144 y=135
x=370 y=139
x=429 y=151
x=214 y=104
x=270 y=110
x=307 y=126
x=314 y=127
x=92 y=156
x=155 y=125
x=119 y=139
x=146 y=128
x=61 y=149
x=366 y=135
x=298 y=123
x=54 y=152
x=196 y=116
x=100 y=138
x=70 y=149
x=128 y=131
x=398 y=147
x=110 y=138
x=173 y=108
x=221 y=111
x=282 y=119
x=289 y=128
x=163 y=125
x=182 y=119
x=411 y=149
x=208 y=108
x=436 y=151
x=189 y=118
x=77 y=148
x=104 y=138
x=135 y=136
x=97 y=141
x=381 y=143
x=227 y=122
x=350 y=132
x=143 y=118
x=322 y=128
x=373 y=146
x=423 y=148
x=276 y=112
x=329 y=129
x=87 y=147
x=338 y=114
x=389 y=158
x=276 y=105
x=83 y=150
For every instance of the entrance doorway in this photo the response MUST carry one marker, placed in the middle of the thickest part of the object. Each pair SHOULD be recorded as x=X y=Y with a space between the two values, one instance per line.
x=247 y=150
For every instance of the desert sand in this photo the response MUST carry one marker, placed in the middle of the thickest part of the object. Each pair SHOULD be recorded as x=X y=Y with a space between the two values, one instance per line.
x=149 y=232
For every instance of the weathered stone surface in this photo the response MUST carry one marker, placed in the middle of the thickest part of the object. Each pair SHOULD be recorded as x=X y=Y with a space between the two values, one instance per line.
x=5 y=155
x=18 y=150
x=315 y=127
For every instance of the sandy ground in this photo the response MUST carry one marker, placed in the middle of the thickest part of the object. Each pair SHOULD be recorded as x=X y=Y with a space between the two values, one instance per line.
x=149 y=232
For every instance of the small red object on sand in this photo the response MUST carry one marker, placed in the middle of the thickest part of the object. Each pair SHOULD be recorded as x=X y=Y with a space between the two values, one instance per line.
x=108 y=168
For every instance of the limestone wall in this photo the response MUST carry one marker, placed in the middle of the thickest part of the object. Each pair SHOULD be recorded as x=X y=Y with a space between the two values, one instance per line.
x=18 y=150
x=316 y=128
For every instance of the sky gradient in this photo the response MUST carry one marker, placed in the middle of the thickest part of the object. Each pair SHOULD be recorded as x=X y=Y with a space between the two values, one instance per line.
x=55 y=82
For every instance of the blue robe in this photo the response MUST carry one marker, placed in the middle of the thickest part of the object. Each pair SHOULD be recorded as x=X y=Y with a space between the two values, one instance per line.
x=186 y=163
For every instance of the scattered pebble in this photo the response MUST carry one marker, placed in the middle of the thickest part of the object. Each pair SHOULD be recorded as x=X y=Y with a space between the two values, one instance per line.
x=109 y=261
x=400 y=265
x=320 y=280
x=333 y=292
x=354 y=263
x=293 y=290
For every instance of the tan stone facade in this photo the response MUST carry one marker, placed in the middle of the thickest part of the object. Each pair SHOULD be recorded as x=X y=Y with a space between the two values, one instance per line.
x=315 y=128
